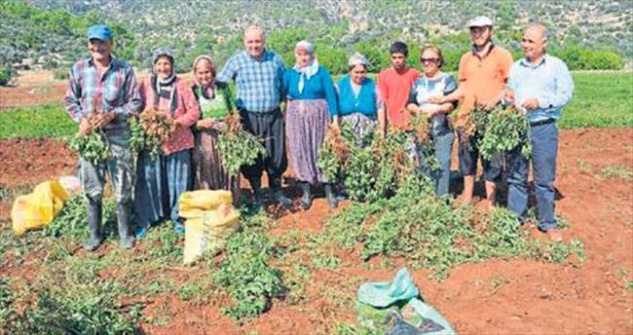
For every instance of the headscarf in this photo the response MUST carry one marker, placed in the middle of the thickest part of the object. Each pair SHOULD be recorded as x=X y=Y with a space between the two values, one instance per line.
x=313 y=65
x=207 y=91
x=160 y=52
x=157 y=83
x=358 y=59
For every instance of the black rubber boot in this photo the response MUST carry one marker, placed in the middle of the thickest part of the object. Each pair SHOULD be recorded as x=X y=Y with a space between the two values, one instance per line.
x=278 y=194
x=123 y=222
x=306 y=198
x=258 y=197
x=94 y=224
x=331 y=197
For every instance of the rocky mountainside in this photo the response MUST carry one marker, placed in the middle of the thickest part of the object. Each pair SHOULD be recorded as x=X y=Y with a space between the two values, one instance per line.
x=193 y=27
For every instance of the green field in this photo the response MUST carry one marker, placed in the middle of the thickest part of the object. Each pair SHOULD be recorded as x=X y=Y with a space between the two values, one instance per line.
x=601 y=99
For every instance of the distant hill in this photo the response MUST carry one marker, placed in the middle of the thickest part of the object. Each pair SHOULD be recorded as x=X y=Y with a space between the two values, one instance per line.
x=339 y=27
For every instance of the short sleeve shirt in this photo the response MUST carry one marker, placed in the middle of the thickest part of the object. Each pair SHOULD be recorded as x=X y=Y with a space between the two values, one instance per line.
x=483 y=78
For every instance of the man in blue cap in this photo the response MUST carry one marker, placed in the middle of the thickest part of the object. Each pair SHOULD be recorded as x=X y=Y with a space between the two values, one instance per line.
x=101 y=93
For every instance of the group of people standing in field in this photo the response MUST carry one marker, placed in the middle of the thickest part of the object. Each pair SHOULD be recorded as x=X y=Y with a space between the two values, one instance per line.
x=299 y=104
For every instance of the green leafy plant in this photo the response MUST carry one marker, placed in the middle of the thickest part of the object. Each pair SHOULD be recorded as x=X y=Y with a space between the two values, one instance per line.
x=92 y=147
x=238 y=147
x=505 y=130
x=245 y=273
x=7 y=74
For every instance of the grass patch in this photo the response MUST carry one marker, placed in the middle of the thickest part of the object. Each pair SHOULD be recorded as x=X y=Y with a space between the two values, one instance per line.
x=601 y=99
x=616 y=172
x=36 y=122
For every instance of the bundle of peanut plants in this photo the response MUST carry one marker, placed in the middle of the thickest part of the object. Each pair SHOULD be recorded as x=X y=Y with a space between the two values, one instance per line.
x=237 y=146
x=93 y=146
x=149 y=131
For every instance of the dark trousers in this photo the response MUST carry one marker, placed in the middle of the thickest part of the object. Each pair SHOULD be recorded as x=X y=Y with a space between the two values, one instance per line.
x=468 y=155
x=544 y=140
x=268 y=126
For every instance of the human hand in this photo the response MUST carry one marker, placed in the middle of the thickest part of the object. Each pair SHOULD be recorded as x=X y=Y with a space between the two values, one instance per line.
x=205 y=124
x=431 y=110
x=413 y=109
x=508 y=96
x=438 y=99
x=85 y=127
x=531 y=103
x=335 y=123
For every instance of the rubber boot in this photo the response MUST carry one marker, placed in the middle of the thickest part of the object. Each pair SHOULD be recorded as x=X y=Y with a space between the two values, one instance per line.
x=94 y=224
x=306 y=198
x=258 y=198
x=123 y=220
x=331 y=197
x=278 y=194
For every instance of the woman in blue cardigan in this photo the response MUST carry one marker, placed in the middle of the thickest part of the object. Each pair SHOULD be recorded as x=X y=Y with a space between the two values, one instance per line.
x=312 y=106
x=359 y=99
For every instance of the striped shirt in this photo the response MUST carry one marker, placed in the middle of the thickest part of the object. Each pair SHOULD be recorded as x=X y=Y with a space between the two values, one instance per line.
x=115 y=91
x=258 y=81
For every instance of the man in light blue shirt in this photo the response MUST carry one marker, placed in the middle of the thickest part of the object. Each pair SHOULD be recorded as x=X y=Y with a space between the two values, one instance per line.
x=542 y=85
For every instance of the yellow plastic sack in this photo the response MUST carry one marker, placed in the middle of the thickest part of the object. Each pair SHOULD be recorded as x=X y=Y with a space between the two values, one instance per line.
x=37 y=209
x=210 y=220
x=203 y=200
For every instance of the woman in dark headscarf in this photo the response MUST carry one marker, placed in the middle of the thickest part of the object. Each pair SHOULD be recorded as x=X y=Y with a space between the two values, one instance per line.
x=161 y=182
x=312 y=106
x=215 y=104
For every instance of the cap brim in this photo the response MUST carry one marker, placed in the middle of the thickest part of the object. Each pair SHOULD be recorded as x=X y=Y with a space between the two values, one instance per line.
x=100 y=38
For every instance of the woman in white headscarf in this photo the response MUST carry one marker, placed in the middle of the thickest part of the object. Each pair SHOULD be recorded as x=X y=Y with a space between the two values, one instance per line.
x=312 y=106
x=359 y=99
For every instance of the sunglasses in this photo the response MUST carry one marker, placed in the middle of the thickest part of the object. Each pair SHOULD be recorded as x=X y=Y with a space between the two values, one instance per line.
x=429 y=60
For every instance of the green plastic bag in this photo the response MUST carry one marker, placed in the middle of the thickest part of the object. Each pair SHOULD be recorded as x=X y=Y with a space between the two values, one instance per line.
x=376 y=300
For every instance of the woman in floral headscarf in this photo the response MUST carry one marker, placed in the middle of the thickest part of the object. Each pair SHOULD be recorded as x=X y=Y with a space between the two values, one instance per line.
x=359 y=99
x=165 y=93
x=312 y=106
x=215 y=104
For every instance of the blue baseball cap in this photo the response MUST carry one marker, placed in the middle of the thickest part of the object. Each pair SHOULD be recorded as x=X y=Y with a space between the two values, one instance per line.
x=100 y=32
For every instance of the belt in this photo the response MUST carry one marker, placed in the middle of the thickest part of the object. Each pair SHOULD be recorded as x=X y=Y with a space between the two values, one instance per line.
x=542 y=122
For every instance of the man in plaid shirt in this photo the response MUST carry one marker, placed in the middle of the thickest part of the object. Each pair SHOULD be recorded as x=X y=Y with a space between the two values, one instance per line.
x=107 y=86
x=258 y=75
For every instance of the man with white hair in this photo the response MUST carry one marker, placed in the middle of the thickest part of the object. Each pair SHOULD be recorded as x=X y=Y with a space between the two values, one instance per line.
x=258 y=75
x=541 y=85
x=483 y=72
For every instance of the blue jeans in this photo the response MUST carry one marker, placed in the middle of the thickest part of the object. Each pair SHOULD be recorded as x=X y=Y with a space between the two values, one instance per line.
x=442 y=146
x=544 y=140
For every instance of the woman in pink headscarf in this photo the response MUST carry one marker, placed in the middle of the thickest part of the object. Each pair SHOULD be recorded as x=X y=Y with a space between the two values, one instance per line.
x=312 y=106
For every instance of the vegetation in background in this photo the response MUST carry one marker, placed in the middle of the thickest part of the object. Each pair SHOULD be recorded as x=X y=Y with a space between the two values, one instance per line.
x=337 y=30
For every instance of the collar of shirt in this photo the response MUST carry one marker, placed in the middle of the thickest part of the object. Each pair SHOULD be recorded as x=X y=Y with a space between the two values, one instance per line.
x=265 y=56
x=112 y=61
x=474 y=50
x=526 y=62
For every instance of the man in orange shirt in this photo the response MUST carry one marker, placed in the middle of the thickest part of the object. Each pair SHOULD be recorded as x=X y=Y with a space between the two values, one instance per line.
x=483 y=73
x=394 y=84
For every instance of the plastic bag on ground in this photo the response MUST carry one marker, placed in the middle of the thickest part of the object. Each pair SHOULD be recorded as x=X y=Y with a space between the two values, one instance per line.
x=37 y=209
x=210 y=221
x=379 y=302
